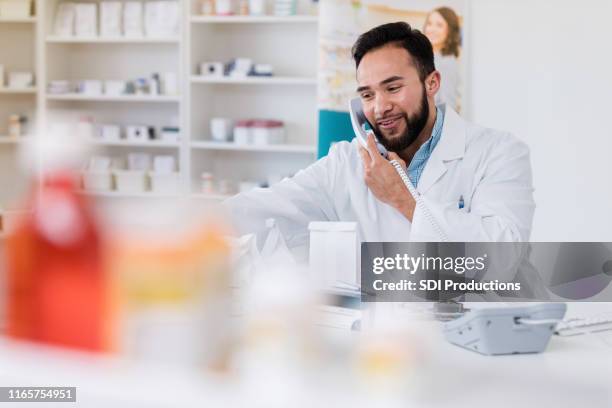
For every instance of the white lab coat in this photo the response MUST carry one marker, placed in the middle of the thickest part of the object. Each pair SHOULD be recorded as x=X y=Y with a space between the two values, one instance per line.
x=490 y=169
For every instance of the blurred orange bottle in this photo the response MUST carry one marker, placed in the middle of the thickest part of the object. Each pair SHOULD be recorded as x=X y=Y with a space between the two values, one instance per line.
x=57 y=287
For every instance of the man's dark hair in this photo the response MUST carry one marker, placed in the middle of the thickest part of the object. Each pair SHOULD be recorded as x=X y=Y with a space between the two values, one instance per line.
x=401 y=35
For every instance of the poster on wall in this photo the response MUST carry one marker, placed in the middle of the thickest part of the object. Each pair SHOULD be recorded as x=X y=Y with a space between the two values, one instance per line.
x=342 y=21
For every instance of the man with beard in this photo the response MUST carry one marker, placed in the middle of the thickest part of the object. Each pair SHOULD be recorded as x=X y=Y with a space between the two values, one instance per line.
x=475 y=183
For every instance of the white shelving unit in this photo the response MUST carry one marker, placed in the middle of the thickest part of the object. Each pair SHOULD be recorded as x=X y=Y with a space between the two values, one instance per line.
x=18 y=52
x=289 y=44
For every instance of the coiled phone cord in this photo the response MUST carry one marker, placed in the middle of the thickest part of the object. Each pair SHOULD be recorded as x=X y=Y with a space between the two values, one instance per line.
x=419 y=201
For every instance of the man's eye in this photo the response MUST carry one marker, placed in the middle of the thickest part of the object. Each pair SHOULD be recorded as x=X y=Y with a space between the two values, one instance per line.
x=366 y=96
x=393 y=88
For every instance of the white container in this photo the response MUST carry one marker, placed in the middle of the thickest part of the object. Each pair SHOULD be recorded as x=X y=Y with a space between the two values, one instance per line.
x=242 y=133
x=224 y=7
x=64 y=20
x=109 y=133
x=169 y=83
x=97 y=180
x=20 y=80
x=110 y=19
x=334 y=253
x=170 y=134
x=268 y=132
x=221 y=129
x=164 y=183
x=86 y=20
x=137 y=133
x=114 y=88
x=91 y=87
x=131 y=181
x=15 y=8
x=132 y=19
x=212 y=69
x=257 y=7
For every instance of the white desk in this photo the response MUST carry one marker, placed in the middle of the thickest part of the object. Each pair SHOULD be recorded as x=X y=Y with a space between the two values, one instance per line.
x=574 y=371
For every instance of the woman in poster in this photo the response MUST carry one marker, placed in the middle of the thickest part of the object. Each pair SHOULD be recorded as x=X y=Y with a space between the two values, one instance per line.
x=443 y=29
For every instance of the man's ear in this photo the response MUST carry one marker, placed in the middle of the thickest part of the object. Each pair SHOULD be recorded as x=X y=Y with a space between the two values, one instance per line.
x=432 y=83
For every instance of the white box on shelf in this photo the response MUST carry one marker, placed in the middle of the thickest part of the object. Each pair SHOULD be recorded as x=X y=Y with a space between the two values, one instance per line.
x=114 y=88
x=109 y=133
x=164 y=164
x=91 y=87
x=161 y=19
x=170 y=134
x=15 y=8
x=169 y=83
x=97 y=180
x=110 y=19
x=137 y=133
x=20 y=80
x=221 y=129
x=131 y=181
x=165 y=183
x=139 y=161
x=242 y=133
x=64 y=20
x=86 y=20
x=132 y=19
x=212 y=69
x=266 y=132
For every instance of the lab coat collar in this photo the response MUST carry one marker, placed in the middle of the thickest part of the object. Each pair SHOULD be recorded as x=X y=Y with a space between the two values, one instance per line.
x=450 y=147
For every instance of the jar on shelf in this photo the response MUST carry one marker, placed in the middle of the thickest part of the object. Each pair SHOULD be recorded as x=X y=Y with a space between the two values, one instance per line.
x=208 y=186
x=257 y=7
x=16 y=125
x=208 y=7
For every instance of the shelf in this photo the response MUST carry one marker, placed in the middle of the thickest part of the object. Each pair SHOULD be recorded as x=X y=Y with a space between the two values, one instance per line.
x=17 y=91
x=104 y=98
x=215 y=197
x=18 y=20
x=118 y=40
x=128 y=143
x=11 y=140
x=273 y=80
x=255 y=19
x=280 y=148
x=120 y=194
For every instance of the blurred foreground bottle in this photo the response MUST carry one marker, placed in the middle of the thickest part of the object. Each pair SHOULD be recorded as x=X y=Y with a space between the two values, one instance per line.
x=57 y=284
x=56 y=276
x=172 y=276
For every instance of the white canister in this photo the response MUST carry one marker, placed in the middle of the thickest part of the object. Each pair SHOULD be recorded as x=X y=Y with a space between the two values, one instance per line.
x=267 y=132
x=242 y=132
x=224 y=7
x=334 y=253
x=257 y=7
x=221 y=129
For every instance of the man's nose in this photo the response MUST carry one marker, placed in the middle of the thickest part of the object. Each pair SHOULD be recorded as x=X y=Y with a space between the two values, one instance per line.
x=382 y=105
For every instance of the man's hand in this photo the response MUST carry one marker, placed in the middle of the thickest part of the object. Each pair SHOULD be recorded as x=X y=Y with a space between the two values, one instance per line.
x=382 y=178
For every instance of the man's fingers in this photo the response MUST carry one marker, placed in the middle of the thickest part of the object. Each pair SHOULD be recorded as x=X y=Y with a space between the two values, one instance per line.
x=394 y=156
x=372 y=148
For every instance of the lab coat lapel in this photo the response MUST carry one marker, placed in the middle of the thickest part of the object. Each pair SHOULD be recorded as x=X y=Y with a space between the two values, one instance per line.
x=450 y=147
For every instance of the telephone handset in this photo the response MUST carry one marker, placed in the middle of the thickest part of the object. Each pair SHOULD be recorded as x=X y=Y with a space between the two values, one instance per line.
x=361 y=127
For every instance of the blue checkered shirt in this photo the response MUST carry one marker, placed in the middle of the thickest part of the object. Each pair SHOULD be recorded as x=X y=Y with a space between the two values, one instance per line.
x=415 y=169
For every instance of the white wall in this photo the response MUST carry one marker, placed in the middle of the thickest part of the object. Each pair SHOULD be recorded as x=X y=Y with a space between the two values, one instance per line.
x=543 y=70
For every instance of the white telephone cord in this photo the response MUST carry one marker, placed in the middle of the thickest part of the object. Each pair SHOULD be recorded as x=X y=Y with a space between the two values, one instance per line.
x=419 y=201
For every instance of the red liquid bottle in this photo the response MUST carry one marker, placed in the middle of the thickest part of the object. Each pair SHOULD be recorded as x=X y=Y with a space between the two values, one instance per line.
x=57 y=287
